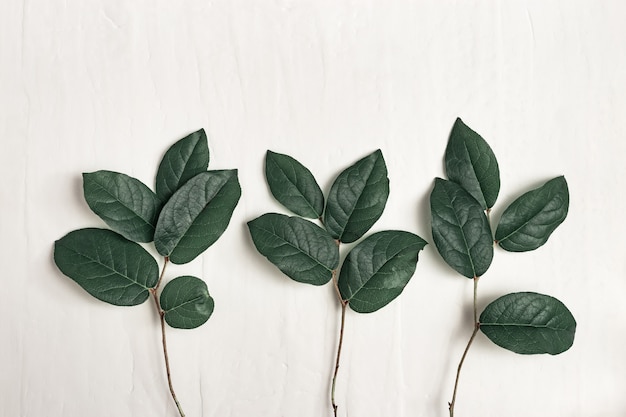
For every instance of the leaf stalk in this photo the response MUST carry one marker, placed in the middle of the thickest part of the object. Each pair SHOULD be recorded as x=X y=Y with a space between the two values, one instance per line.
x=344 y=305
x=452 y=403
x=161 y=314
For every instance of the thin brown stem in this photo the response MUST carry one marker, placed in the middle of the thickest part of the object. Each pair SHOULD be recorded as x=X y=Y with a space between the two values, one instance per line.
x=336 y=286
x=475 y=299
x=158 y=284
x=344 y=304
x=161 y=314
x=469 y=343
x=343 y=321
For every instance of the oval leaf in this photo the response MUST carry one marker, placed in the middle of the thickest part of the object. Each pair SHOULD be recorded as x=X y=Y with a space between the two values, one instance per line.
x=186 y=302
x=357 y=198
x=183 y=160
x=529 y=323
x=302 y=250
x=293 y=185
x=124 y=203
x=378 y=268
x=530 y=220
x=197 y=215
x=108 y=266
x=471 y=163
x=460 y=229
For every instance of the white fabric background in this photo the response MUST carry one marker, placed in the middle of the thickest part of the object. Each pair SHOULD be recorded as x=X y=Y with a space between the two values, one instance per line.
x=88 y=85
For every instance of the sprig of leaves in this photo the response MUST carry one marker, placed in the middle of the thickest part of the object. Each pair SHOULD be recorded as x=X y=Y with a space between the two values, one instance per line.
x=188 y=213
x=377 y=268
x=527 y=322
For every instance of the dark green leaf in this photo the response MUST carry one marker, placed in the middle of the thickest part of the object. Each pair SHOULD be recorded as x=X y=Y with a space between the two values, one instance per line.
x=183 y=160
x=108 y=266
x=377 y=269
x=357 y=198
x=530 y=220
x=529 y=323
x=124 y=203
x=293 y=185
x=460 y=229
x=197 y=215
x=186 y=302
x=302 y=250
x=471 y=163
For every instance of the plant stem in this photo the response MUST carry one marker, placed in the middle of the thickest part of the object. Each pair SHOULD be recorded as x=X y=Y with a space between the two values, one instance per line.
x=469 y=343
x=161 y=313
x=343 y=321
x=344 y=304
x=475 y=296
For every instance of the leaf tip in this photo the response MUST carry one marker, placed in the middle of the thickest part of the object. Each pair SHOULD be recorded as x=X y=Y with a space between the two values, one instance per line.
x=201 y=135
x=87 y=175
x=459 y=123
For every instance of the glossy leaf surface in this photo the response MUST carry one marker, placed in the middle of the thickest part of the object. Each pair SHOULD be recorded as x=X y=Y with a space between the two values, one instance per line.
x=293 y=185
x=530 y=220
x=529 y=323
x=300 y=249
x=124 y=203
x=183 y=160
x=378 y=268
x=357 y=198
x=471 y=163
x=460 y=228
x=197 y=215
x=186 y=302
x=108 y=266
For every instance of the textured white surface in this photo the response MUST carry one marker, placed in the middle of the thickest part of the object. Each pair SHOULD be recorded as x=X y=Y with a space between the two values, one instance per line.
x=87 y=85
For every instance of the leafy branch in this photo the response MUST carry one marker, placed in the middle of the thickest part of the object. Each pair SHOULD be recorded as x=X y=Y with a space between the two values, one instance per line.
x=189 y=211
x=377 y=268
x=525 y=322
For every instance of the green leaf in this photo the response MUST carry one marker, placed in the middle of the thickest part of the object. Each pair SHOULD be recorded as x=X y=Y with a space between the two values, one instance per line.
x=197 y=215
x=530 y=220
x=357 y=198
x=529 y=323
x=293 y=185
x=124 y=203
x=108 y=266
x=471 y=163
x=183 y=160
x=378 y=268
x=186 y=302
x=302 y=250
x=460 y=229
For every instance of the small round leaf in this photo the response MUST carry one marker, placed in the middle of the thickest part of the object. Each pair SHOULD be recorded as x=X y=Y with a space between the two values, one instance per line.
x=186 y=302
